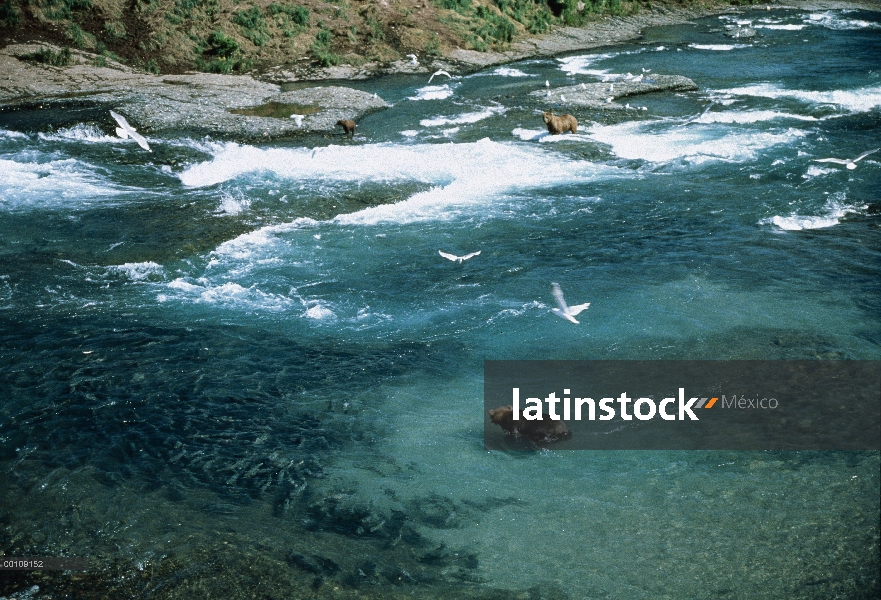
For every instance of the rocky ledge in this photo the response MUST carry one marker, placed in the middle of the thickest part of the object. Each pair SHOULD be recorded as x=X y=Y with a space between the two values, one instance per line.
x=603 y=95
x=235 y=107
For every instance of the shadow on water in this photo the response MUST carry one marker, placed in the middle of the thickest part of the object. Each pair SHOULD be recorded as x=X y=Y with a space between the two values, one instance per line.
x=33 y=117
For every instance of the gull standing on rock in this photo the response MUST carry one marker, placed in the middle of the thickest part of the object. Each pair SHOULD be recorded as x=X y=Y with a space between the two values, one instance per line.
x=126 y=131
x=847 y=162
x=564 y=311
x=413 y=60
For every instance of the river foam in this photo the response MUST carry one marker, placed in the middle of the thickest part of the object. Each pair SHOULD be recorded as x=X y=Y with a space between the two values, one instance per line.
x=662 y=143
x=834 y=210
x=67 y=183
x=856 y=100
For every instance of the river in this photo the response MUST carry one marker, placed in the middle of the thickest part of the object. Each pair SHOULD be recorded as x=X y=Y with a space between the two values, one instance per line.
x=244 y=370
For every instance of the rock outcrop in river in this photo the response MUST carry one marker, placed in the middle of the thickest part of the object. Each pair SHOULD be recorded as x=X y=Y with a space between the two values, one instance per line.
x=603 y=95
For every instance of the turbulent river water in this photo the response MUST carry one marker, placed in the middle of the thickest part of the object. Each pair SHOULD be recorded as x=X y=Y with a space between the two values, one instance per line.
x=243 y=370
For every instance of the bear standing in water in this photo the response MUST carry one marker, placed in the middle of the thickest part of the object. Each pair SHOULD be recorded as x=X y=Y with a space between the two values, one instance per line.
x=348 y=126
x=560 y=124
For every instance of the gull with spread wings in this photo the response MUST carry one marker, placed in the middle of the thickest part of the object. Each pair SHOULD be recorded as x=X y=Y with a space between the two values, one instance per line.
x=126 y=131
x=437 y=73
x=458 y=259
x=565 y=311
x=850 y=163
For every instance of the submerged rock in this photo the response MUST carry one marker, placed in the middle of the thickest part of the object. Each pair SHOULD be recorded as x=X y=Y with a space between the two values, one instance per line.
x=738 y=32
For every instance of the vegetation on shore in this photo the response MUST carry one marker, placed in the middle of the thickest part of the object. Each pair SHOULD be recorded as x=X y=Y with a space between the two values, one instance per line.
x=226 y=36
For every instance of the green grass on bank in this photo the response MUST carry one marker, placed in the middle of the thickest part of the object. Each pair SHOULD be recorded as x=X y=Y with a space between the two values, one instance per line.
x=225 y=36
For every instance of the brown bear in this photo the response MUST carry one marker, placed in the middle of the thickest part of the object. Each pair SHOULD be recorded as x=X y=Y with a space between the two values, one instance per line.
x=546 y=430
x=560 y=124
x=348 y=126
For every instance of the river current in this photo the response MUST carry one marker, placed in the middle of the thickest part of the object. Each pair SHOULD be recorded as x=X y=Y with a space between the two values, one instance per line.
x=244 y=370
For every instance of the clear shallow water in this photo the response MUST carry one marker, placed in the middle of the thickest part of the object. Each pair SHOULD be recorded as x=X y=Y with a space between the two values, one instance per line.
x=232 y=368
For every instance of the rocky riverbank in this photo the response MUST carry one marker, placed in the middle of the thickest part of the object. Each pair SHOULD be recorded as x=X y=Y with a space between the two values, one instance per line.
x=253 y=106
x=223 y=106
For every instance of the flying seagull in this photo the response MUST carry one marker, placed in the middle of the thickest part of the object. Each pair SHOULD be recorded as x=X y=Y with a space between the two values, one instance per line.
x=126 y=131
x=849 y=163
x=458 y=259
x=441 y=72
x=564 y=311
x=298 y=119
x=701 y=116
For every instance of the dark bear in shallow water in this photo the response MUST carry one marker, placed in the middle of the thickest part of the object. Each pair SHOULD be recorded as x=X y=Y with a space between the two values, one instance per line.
x=546 y=430
x=348 y=126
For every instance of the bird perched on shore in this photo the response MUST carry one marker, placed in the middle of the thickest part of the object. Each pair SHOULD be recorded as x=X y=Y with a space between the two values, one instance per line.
x=850 y=163
x=126 y=131
x=413 y=59
x=441 y=72
x=458 y=259
x=565 y=311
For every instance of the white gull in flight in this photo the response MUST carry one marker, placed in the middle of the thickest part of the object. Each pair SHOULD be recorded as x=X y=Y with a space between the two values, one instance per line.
x=565 y=311
x=126 y=131
x=850 y=163
x=441 y=72
x=458 y=259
